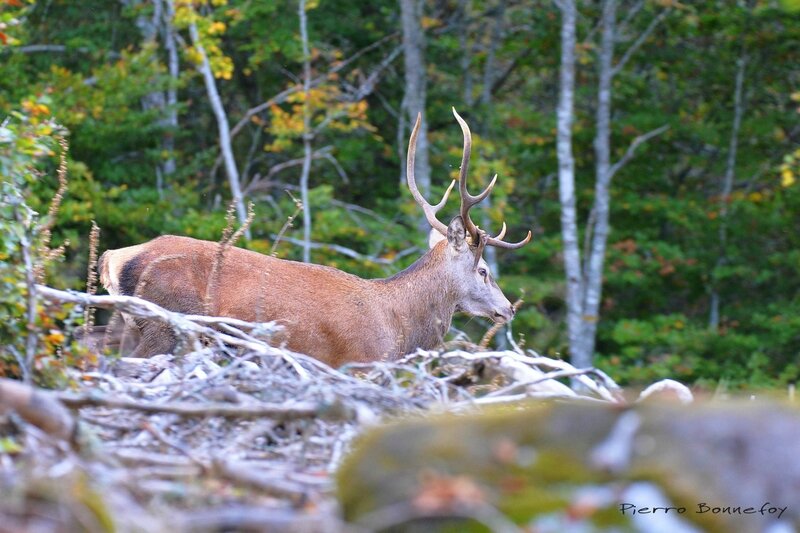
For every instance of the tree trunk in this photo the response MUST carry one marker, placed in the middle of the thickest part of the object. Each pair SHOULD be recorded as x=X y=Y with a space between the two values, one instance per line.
x=414 y=55
x=223 y=127
x=566 y=181
x=466 y=51
x=173 y=67
x=593 y=276
x=307 y=135
x=727 y=188
x=585 y=282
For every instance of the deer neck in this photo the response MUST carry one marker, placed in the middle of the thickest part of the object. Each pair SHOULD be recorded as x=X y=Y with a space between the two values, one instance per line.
x=421 y=301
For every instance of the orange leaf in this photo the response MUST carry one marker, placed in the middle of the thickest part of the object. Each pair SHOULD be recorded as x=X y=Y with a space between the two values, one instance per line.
x=439 y=492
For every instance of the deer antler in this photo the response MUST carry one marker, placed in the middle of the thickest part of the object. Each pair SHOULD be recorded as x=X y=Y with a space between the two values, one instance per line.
x=479 y=237
x=429 y=210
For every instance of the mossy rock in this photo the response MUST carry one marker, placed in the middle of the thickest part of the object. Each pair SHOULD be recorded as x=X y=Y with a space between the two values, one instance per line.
x=553 y=465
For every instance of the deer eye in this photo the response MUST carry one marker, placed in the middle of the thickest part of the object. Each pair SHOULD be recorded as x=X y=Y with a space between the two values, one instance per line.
x=482 y=272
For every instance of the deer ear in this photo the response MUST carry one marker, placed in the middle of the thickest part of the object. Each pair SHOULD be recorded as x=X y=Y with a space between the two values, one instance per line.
x=456 y=234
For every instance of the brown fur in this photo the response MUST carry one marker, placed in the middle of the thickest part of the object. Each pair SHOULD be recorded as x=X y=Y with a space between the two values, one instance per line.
x=332 y=315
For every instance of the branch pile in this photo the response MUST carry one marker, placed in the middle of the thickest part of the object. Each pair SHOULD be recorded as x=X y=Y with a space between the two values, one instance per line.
x=235 y=432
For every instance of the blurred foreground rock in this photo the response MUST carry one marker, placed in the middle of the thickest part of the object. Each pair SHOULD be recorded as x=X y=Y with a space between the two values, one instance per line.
x=729 y=466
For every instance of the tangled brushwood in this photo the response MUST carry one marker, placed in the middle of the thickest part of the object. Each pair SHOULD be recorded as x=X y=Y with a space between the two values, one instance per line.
x=233 y=433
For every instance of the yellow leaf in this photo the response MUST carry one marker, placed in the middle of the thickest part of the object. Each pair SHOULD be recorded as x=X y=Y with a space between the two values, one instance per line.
x=429 y=22
x=55 y=337
x=787 y=177
x=216 y=27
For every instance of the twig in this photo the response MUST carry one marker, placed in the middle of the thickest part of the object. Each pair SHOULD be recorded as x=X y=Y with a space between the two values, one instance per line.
x=91 y=276
x=633 y=146
x=284 y=95
x=638 y=43
x=45 y=230
x=298 y=206
x=349 y=252
x=487 y=338
x=244 y=474
x=297 y=411
x=31 y=339
x=146 y=309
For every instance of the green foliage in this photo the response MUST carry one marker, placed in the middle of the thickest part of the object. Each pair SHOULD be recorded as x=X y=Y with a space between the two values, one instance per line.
x=664 y=254
x=29 y=333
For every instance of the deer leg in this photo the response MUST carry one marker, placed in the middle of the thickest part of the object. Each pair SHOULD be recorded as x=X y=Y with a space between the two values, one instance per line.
x=154 y=339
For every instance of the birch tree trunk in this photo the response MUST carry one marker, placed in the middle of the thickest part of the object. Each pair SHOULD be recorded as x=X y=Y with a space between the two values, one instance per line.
x=415 y=90
x=566 y=180
x=466 y=51
x=307 y=134
x=585 y=281
x=222 y=126
x=173 y=67
x=599 y=226
x=727 y=187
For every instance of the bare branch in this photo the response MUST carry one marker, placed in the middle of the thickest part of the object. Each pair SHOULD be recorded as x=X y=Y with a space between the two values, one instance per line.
x=368 y=85
x=36 y=407
x=222 y=126
x=335 y=163
x=283 y=95
x=359 y=209
x=275 y=169
x=298 y=205
x=30 y=302
x=187 y=324
x=296 y=411
x=632 y=12
x=349 y=252
x=37 y=48
x=639 y=41
x=632 y=148
x=244 y=474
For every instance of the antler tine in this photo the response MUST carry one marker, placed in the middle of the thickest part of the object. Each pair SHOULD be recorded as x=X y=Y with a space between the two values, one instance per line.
x=502 y=233
x=498 y=243
x=468 y=200
x=429 y=210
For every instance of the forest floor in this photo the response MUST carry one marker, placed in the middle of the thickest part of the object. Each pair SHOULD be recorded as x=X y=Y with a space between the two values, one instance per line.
x=233 y=434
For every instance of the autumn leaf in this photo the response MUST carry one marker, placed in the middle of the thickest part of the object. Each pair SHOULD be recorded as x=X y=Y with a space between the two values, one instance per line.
x=438 y=492
x=787 y=177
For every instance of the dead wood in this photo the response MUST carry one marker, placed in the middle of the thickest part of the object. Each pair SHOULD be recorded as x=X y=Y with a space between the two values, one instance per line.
x=241 y=435
x=281 y=412
x=36 y=407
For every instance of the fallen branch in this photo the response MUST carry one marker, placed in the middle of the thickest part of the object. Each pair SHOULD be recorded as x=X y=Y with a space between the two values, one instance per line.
x=280 y=412
x=193 y=325
x=245 y=474
x=37 y=407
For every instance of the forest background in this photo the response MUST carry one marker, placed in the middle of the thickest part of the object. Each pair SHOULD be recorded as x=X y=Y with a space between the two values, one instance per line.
x=682 y=133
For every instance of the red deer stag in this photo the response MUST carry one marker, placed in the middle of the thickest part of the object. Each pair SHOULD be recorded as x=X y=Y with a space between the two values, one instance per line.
x=328 y=314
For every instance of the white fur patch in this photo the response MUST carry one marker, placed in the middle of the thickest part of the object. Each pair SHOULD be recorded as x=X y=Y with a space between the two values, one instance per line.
x=113 y=265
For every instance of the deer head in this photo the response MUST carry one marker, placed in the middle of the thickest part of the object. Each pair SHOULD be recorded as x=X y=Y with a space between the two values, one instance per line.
x=470 y=280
